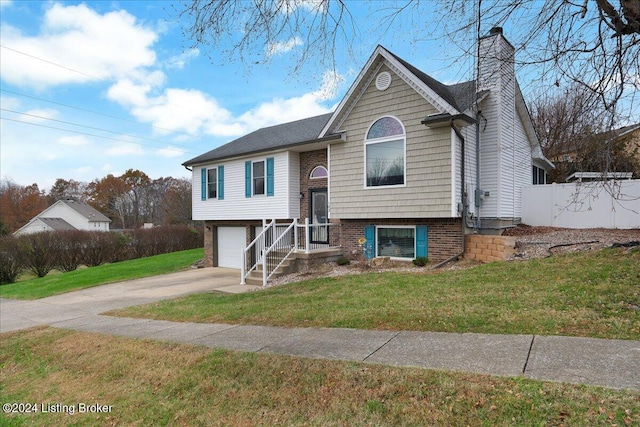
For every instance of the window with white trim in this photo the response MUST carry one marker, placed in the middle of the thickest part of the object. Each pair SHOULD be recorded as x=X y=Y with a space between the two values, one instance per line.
x=396 y=242
x=258 y=178
x=385 y=146
x=212 y=183
x=319 y=172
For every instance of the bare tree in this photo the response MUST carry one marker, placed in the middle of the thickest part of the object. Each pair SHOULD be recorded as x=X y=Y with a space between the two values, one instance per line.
x=594 y=44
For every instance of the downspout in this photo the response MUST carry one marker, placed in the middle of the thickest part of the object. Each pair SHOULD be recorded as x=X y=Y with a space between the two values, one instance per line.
x=462 y=196
x=476 y=195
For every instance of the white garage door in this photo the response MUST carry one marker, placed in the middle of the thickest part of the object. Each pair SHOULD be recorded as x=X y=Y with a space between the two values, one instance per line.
x=231 y=241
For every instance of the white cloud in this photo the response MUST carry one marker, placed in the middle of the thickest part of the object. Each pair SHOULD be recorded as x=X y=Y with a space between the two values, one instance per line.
x=73 y=141
x=276 y=48
x=290 y=6
x=124 y=149
x=83 y=170
x=331 y=81
x=75 y=45
x=5 y=3
x=170 y=152
x=196 y=113
x=178 y=62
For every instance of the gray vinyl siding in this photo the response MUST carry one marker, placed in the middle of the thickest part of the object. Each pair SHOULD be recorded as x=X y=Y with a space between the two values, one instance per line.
x=490 y=157
x=427 y=189
x=469 y=134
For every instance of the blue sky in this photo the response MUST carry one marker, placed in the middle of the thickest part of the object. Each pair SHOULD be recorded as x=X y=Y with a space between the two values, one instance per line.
x=94 y=88
x=98 y=87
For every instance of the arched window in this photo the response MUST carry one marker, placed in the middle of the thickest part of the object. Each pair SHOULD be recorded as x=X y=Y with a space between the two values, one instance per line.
x=319 y=172
x=385 y=153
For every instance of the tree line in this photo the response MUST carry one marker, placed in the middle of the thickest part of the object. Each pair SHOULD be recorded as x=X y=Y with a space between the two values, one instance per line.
x=129 y=200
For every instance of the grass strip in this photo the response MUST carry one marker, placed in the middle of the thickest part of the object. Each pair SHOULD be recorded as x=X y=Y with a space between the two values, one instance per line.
x=585 y=294
x=151 y=383
x=107 y=273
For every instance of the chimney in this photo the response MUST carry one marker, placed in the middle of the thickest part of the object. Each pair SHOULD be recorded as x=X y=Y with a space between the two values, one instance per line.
x=495 y=61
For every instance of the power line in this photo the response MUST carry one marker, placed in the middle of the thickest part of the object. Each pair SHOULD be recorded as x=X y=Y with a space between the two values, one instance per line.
x=81 y=73
x=94 y=135
x=90 y=111
x=90 y=127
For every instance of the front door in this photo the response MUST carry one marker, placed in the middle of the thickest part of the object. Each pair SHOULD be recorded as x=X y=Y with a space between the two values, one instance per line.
x=319 y=214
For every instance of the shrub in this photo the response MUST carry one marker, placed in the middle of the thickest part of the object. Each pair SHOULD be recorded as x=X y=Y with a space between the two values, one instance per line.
x=420 y=261
x=39 y=255
x=11 y=259
x=68 y=249
x=343 y=261
x=99 y=247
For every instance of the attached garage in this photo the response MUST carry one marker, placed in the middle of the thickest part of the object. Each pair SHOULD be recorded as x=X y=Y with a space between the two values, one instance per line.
x=231 y=241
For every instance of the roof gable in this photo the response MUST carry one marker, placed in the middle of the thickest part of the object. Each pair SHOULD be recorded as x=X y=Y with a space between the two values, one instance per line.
x=90 y=213
x=453 y=99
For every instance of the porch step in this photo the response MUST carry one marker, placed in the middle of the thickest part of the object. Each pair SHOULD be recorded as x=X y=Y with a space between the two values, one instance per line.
x=288 y=266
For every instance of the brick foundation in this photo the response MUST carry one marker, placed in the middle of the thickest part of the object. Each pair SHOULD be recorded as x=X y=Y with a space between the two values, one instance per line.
x=486 y=248
x=444 y=236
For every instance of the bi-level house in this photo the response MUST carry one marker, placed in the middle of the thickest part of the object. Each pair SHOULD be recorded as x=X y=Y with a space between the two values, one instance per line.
x=404 y=167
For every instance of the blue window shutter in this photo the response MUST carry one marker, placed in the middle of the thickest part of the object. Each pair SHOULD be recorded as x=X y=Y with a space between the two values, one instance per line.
x=220 y=182
x=203 y=184
x=421 y=241
x=370 y=244
x=269 y=176
x=247 y=179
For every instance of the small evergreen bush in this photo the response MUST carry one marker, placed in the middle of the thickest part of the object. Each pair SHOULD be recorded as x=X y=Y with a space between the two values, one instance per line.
x=420 y=261
x=343 y=261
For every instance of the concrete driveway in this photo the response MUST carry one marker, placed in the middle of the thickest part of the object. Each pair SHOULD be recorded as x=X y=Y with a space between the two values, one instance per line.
x=19 y=314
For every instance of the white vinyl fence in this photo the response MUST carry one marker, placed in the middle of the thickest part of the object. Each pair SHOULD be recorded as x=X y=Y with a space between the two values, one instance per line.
x=604 y=204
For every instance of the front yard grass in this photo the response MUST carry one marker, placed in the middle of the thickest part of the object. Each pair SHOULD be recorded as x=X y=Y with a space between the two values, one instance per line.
x=148 y=383
x=591 y=294
x=40 y=287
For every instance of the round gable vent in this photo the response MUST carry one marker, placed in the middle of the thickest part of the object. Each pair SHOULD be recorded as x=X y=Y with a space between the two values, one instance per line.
x=383 y=81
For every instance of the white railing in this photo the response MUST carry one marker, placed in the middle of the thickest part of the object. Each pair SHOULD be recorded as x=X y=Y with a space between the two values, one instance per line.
x=252 y=255
x=275 y=243
x=275 y=255
x=315 y=237
x=269 y=249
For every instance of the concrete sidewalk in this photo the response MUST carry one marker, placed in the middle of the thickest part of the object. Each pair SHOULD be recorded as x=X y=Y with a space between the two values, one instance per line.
x=608 y=363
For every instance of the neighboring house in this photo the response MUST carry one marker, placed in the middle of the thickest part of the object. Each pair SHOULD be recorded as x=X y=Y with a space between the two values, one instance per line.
x=394 y=169
x=66 y=215
x=580 y=161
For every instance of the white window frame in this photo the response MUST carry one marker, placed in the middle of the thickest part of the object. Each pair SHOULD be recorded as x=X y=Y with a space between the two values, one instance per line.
x=368 y=142
x=264 y=178
x=377 y=239
x=215 y=173
x=319 y=177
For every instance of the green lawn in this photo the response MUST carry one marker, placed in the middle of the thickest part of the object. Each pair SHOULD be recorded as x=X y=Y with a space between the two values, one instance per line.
x=146 y=383
x=58 y=283
x=586 y=294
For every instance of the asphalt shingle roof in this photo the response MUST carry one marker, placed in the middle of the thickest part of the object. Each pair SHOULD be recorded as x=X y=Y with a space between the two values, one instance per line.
x=269 y=138
x=57 y=224
x=460 y=96
x=87 y=211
